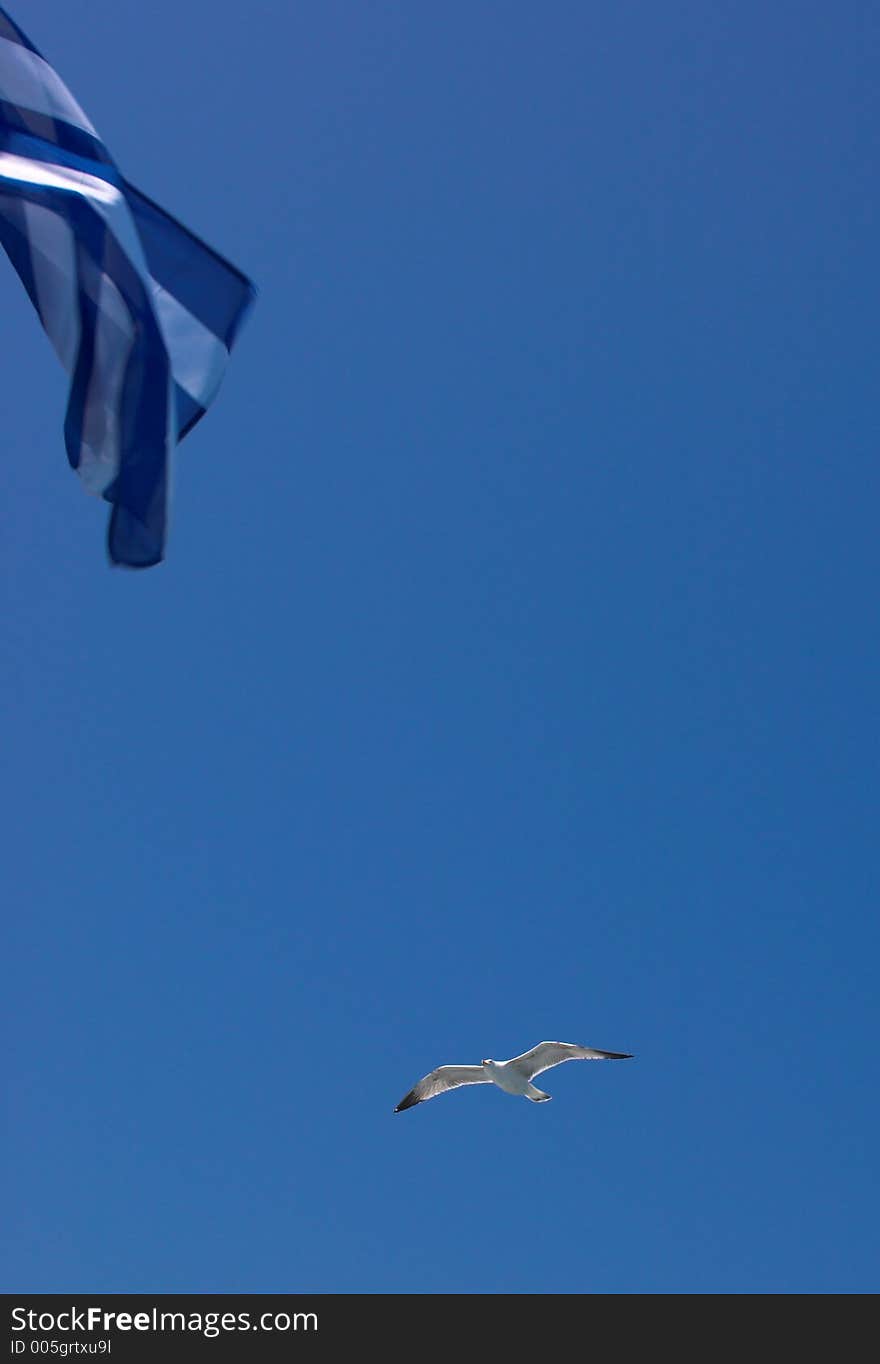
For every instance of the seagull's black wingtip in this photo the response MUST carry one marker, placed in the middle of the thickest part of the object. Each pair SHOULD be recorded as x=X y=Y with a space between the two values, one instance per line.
x=408 y=1101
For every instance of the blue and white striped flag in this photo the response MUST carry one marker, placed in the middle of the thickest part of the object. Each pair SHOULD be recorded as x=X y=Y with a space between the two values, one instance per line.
x=141 y=313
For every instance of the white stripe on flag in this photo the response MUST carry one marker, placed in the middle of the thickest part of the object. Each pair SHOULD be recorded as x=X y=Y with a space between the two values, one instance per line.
x=57 y=177
x=53 y=263
x=26 y=80
x=198 y=357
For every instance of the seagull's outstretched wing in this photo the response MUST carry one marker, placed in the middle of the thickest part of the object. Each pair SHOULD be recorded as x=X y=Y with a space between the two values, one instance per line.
x=548 y=1054
x=441 y=1079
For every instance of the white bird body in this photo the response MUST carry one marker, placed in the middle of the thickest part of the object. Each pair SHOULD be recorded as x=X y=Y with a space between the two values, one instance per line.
x=514 y=1076
x=507 y=1076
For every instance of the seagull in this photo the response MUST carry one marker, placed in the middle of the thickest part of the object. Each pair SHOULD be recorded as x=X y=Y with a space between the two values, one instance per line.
x=514 y=1077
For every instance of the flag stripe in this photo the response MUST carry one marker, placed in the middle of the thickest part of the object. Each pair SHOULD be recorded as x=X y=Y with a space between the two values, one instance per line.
x=198 y=358
x=53 y=131
x=34 y=171
x=53 y=261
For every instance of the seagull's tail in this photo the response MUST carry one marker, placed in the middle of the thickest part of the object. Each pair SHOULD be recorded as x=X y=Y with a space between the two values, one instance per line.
x=537 y=1096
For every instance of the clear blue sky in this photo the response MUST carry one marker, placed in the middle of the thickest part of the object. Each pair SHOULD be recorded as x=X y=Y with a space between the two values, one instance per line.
x=513 y=673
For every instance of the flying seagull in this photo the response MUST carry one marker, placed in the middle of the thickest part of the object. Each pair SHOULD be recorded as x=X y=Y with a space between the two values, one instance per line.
x=514 y=1077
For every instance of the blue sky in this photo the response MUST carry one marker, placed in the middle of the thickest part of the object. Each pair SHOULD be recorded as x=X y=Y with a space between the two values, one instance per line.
x=513 y=673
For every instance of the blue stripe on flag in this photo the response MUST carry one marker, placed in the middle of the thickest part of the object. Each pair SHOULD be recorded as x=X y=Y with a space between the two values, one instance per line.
x=35 y=148
x=53 y=131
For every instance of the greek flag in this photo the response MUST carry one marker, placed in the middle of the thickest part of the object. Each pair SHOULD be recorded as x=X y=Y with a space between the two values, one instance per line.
x=140 y=312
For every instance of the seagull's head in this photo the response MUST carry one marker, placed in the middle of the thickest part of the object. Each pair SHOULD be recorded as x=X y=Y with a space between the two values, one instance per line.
x=487 y=1061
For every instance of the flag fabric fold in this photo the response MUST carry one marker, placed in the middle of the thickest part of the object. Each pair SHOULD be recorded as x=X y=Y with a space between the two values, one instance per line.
x=141 y=313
